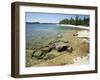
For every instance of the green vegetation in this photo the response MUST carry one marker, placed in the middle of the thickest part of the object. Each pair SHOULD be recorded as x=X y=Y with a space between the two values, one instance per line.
x=76 y=21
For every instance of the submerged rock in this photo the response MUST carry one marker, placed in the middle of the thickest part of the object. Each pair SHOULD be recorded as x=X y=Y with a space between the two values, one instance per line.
x=75 y=34
x=42 y=53
x=46 y=49
x=59 y=35
x=37 y=53
x=49 y=56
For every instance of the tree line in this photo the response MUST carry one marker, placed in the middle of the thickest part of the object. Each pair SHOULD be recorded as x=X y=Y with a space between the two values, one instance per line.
x=76 y=21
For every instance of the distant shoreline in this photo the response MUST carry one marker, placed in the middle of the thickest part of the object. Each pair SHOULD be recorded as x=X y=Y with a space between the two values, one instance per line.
x=84 y=27
x=39 y=23
x=66 y=25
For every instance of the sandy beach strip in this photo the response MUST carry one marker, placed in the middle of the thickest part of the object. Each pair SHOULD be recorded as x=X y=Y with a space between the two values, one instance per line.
x=83 y=27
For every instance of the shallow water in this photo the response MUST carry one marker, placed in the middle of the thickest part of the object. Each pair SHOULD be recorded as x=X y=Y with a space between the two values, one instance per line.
x=38 y=35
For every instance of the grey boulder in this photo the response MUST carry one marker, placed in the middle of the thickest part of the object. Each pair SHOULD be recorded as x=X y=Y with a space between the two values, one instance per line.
x=61 y=46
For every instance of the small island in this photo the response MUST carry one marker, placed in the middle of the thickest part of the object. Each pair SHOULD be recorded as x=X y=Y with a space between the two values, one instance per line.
x=32 y=22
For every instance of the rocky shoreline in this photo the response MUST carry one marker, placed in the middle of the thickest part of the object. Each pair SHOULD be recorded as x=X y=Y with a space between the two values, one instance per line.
x=70 y=48
x=58 y=45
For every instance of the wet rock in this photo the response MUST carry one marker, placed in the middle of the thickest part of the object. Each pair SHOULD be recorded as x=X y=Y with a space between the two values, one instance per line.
x=75 y=34
x=70 y=49
x=37 y=53
x=46 y=49
x=61 y=46
x=43 y=52
x=59 y=35
x=40 y=53
x=49 y=56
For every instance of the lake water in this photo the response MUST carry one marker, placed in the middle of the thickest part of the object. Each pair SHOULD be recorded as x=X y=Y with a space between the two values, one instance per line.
x=38 y=35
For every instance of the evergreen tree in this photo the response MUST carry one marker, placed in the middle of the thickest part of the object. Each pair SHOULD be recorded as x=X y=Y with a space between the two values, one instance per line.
x=76 y=21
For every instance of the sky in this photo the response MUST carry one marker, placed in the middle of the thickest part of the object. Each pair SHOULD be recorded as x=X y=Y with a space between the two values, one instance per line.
x=49 y=17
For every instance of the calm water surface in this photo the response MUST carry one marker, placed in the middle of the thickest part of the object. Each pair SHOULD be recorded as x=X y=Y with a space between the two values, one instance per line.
x=38 y=35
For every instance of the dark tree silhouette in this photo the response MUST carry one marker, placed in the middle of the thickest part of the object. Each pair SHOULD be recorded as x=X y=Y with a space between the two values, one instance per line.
x=76 y=21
